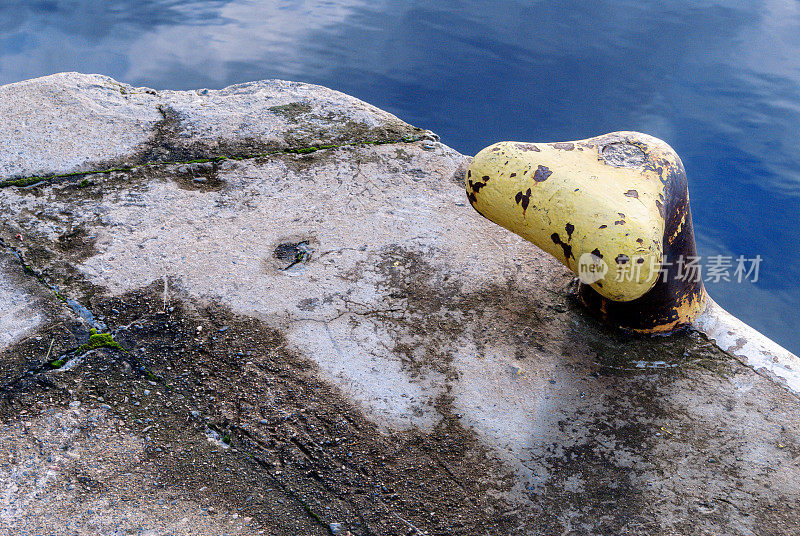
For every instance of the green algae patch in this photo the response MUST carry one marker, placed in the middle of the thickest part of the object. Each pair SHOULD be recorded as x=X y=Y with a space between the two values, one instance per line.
x=25 y=182
x=99 y=340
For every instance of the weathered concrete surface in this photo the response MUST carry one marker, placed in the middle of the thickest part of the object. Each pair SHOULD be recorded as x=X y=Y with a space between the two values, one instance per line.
x=19 y=314
x=378 y=354
x=73 y=122
x=750 y=346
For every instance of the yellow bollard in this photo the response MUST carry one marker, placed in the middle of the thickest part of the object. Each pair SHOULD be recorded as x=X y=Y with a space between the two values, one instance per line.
x=614 y=209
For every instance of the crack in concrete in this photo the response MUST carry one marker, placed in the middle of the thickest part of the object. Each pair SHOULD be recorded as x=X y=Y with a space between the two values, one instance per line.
x=23 y=182
x=83 y=312
x=77 y=308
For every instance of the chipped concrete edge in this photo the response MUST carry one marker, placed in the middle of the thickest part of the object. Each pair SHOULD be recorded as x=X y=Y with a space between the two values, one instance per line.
x=749 y=345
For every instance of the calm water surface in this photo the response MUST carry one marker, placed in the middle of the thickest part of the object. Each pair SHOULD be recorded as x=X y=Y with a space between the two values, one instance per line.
x=718 y=80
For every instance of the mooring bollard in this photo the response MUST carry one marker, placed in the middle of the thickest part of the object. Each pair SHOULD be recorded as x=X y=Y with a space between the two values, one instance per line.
x=615 y=210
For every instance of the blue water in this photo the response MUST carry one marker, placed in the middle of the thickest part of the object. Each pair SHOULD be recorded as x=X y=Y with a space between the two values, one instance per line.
x=718 y=80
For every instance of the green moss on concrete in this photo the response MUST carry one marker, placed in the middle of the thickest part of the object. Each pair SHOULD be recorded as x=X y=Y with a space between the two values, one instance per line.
x=99 y=340
x=151 y=376
x=31 y=181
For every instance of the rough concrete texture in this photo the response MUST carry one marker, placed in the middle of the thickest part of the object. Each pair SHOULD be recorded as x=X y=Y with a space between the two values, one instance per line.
x=332 y=336
x=73 y=122
x=18 y=312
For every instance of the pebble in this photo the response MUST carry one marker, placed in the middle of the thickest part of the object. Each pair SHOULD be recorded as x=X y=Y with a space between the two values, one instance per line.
x=336 y=528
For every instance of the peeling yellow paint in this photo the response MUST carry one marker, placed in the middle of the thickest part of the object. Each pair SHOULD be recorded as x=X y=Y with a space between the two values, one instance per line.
x=686 y=310
x=680 y=226
x=573 y=202
x=614 y=207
